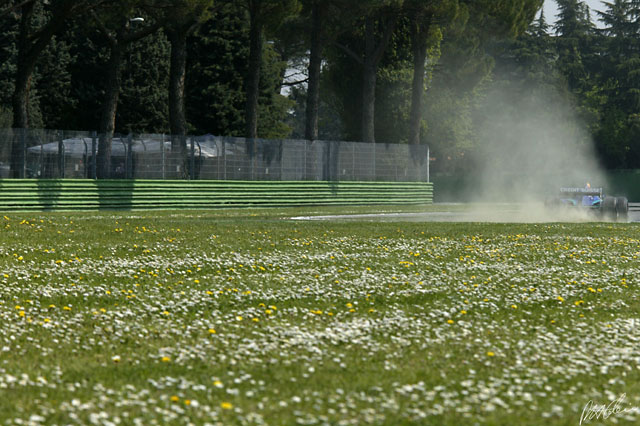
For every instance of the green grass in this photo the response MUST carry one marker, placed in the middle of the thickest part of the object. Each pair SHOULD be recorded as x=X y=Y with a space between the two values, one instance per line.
x=110 y=317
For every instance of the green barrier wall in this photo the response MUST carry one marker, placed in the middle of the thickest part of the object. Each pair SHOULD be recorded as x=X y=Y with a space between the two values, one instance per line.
x=626 y=182
x=69 y=194
x=465 y=188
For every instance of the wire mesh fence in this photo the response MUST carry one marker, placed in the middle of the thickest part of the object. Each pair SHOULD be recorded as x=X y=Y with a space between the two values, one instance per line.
x=54 y=154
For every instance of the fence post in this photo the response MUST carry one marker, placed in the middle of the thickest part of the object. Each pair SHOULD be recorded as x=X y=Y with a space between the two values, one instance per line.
x=325 y=161
x=61 y=154
x=224 y=158
x=353 y=162
x=280 y=148
x=192 y=161
x=375 y=174
x=428 y=164
x=94 y=152
x=252 y=158
x=41 y=160
x=23 y=139
x=304 y=156
x=163 y=157
x=129 y=158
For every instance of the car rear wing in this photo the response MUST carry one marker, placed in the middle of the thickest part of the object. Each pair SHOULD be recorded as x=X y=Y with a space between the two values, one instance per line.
x=581 y=191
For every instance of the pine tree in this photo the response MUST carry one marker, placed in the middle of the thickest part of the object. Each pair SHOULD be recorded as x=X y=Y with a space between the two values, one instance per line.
x=619 y=132
x=574 y=30
x=217 y=66
x=116 y=25
x=263 y=15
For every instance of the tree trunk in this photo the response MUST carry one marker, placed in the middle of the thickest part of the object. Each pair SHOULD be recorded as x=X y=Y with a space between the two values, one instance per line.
x=368 y=102
x=108 y=118
x=373 y=55
x=253 y=76
x=20 y=99
x=31 y=43
x=369 y=79
x=177 y=74
x=420 y=32
x=315 y=63
x=21 y=122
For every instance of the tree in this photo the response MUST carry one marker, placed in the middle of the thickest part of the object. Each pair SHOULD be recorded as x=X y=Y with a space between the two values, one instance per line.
x=423 y=14
x=263 y=15
x=53 y=94
x=372 y=27
x=8 y=6
x=115 y=24
x=620 y=82
x=217 y=67
x=323 y=21
x=318 y=13
x=216 y=61
x=31 y=43
x=181 y=19
x=385 y=16
x=143 y=103
x=8 y=54
x=573 y=29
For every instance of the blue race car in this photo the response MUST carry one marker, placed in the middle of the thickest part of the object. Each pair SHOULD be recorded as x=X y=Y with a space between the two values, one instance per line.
x=591 y=200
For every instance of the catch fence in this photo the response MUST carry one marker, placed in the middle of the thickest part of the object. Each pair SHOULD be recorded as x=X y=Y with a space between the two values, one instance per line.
x=54 y=154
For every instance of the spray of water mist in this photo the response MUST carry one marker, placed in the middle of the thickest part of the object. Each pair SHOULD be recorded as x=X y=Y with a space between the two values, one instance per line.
x=531 y=143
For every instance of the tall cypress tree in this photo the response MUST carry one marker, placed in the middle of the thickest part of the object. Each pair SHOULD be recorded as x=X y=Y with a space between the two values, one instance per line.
x=574 y=30
x=619 y=132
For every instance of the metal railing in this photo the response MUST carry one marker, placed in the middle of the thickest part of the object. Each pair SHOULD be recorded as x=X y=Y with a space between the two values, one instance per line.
x=29 y=153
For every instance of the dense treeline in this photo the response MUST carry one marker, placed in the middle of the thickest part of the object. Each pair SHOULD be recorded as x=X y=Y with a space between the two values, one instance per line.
x=407 y=71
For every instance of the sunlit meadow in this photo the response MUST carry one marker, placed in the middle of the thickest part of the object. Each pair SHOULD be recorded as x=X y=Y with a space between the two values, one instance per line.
x=246 y=317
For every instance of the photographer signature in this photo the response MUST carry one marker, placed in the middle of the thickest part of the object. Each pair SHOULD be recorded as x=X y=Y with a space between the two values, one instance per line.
x=592 y=411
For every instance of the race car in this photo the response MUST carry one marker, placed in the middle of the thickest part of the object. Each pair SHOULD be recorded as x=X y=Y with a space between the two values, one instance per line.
x=591 y=200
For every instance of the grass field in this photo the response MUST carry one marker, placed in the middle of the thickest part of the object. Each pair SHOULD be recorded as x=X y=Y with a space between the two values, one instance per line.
x=245 y=317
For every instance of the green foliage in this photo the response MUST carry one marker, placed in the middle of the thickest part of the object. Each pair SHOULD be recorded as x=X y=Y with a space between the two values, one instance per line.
x=185 y=12
x=143 y=96
x=472 y=45
x=90 y=55
x=273 y=107
x=51 y=80
x=143 y=107
x=619 y=85
x=8 y=56
x=217 y=65
x=6 y=117
x=54 y=94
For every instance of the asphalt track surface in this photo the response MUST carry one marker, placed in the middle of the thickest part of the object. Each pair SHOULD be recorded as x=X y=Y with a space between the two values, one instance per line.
x=486 y=215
